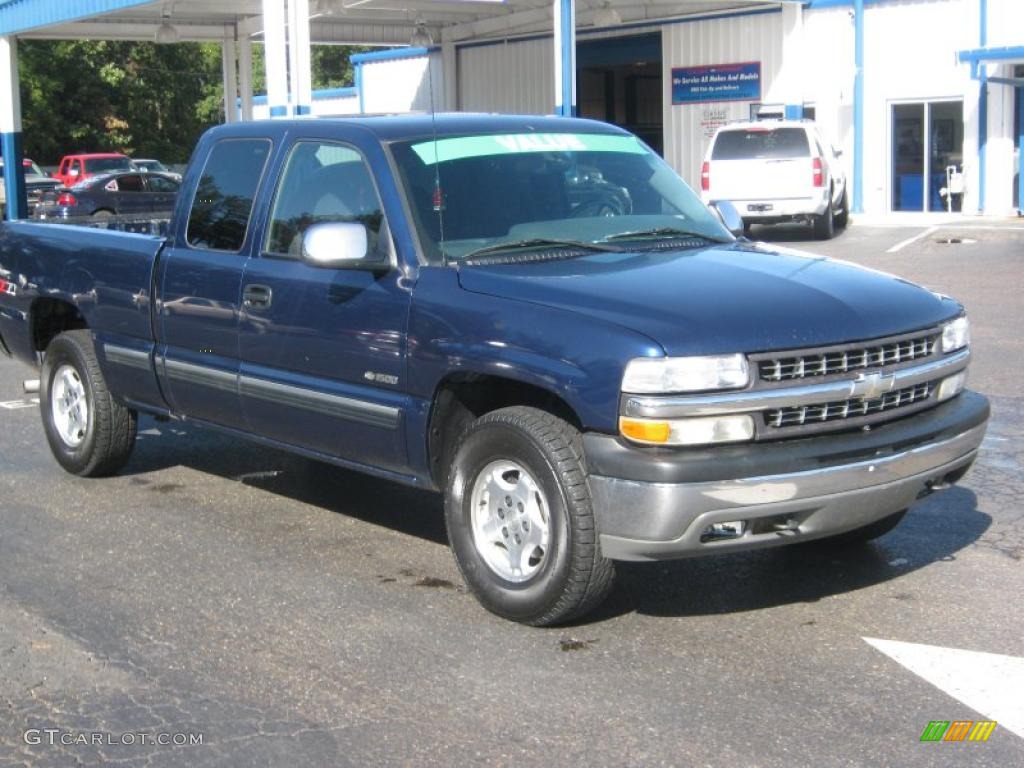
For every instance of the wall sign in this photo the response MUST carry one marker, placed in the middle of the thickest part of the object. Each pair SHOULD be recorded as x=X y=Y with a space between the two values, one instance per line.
x=717 y=82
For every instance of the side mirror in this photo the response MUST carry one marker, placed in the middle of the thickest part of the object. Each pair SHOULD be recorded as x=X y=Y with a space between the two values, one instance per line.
x=338 y=245
x=728 y=215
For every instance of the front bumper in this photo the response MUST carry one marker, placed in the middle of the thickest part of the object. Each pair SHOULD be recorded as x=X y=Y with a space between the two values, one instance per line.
x=654 y=504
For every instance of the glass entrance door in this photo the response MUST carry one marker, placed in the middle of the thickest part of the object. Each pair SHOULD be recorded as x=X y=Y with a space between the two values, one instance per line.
x=927 y=156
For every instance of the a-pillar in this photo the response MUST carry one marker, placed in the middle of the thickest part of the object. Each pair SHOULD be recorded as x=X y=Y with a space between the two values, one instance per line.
x=564 y=12
x=10 y=130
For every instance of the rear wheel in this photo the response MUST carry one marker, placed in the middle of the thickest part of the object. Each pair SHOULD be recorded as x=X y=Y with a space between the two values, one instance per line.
x=102 y=215
x=520 y=520
x=90 y=434
x=824 y=225
x=843 y=217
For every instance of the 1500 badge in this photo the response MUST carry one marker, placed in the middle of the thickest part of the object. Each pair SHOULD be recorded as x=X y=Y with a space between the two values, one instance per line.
x=380 y=378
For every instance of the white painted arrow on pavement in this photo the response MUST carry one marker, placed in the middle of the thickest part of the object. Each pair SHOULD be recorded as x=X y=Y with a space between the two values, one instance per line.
x=989 y=683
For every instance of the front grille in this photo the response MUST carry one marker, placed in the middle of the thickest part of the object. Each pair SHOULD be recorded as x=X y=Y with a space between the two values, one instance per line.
x=797 y=416
x=838 y=360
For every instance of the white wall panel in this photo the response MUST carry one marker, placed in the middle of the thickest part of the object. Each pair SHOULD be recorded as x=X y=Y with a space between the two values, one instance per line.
x=1005 y=22
x=510 y=77
x=688 y=128
x=403 y=85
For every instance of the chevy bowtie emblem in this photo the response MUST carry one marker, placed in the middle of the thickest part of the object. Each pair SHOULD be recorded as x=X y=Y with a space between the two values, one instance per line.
x=869 y=386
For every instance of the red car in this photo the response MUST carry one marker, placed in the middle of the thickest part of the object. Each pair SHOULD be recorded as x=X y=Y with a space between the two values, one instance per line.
x=75 y=168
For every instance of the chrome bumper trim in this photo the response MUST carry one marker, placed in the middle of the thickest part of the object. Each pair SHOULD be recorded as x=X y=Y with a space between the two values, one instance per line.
x=646 y=521
x=675 y=407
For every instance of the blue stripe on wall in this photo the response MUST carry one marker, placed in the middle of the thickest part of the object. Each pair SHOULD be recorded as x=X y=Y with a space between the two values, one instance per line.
x=14 y=183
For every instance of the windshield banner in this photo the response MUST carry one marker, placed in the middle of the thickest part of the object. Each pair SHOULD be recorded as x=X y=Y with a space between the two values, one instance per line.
x=461 y=147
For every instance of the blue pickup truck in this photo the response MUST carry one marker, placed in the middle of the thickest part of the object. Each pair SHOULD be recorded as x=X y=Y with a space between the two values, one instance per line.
x=534 y=316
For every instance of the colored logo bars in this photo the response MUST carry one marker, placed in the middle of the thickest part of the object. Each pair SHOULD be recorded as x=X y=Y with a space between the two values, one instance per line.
x=958 y=730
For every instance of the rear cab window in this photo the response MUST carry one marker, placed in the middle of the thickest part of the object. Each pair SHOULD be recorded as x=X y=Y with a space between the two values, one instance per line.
x=222 y=205
x=761 y=144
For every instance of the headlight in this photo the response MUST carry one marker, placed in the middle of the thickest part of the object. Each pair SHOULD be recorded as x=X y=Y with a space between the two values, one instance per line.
x=662 y=375
x=704 y=430
x=956 y=335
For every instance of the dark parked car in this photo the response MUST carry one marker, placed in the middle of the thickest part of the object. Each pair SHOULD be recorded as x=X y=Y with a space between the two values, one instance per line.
x=109 y=194
x=36 y=183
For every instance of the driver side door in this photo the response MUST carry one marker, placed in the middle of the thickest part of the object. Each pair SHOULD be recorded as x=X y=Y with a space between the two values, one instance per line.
x=323 y=349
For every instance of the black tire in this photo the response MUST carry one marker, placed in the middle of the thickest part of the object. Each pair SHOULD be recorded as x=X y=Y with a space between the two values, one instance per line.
x=865 y=534
x=105 y=442
x=825 y=225
x=843 y=217
x=572 y=576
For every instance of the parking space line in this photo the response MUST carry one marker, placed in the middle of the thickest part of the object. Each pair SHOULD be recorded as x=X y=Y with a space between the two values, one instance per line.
x=911 y=240
x=13 y=405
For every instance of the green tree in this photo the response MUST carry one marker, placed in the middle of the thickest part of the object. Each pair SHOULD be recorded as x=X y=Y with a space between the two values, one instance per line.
x=136 y=97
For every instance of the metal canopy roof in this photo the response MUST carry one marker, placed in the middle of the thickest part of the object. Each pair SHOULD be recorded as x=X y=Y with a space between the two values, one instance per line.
x=368 y=22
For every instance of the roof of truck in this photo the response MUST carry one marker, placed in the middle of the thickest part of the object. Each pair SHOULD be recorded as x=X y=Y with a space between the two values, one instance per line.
x=410 y=126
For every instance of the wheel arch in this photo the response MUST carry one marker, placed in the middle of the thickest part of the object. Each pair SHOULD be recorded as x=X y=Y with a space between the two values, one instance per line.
x=462 y=397
x=51 y=316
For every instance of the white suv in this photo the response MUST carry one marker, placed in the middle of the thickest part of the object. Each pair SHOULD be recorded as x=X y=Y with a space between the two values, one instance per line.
x=775 y=171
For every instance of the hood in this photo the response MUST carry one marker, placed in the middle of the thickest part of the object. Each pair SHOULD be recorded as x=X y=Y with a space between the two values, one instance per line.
x=723 y=299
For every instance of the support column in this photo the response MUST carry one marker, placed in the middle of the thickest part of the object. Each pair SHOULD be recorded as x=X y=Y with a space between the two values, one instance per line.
x=299 y=58
x=793 y=67
x=245 y=76
x=858 y=107
x=10 y=130
x=450 y=73
x=229 y=69
x=982 y=109
x=564 y=12
x=276 y=57
x=1020 y=150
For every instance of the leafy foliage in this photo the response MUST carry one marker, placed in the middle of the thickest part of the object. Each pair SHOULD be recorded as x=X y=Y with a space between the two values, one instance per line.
x=140 y=98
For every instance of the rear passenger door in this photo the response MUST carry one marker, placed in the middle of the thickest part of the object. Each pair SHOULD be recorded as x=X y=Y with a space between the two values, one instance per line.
x=127 y=193
x=200 y=285
x=160 y=192
x=323 y=349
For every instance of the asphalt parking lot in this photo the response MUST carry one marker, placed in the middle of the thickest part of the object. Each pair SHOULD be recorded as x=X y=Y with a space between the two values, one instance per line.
x=290 y=613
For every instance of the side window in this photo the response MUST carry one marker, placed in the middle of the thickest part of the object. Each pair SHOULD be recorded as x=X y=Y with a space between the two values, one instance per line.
x=223 y=201
x=130 y=183
x=160 y=184
x=321 y=182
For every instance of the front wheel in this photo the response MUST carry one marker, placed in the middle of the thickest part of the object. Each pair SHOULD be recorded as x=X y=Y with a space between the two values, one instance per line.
x=520 y=520
x=90 y=434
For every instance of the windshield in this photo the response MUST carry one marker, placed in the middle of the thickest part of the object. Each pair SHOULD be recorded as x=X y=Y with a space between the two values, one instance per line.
x=150 y=165
x=107 y=164
x=469 y=193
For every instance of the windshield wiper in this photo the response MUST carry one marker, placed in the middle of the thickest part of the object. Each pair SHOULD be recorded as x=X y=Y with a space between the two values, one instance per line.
x=536 y=243
x=660 y=232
